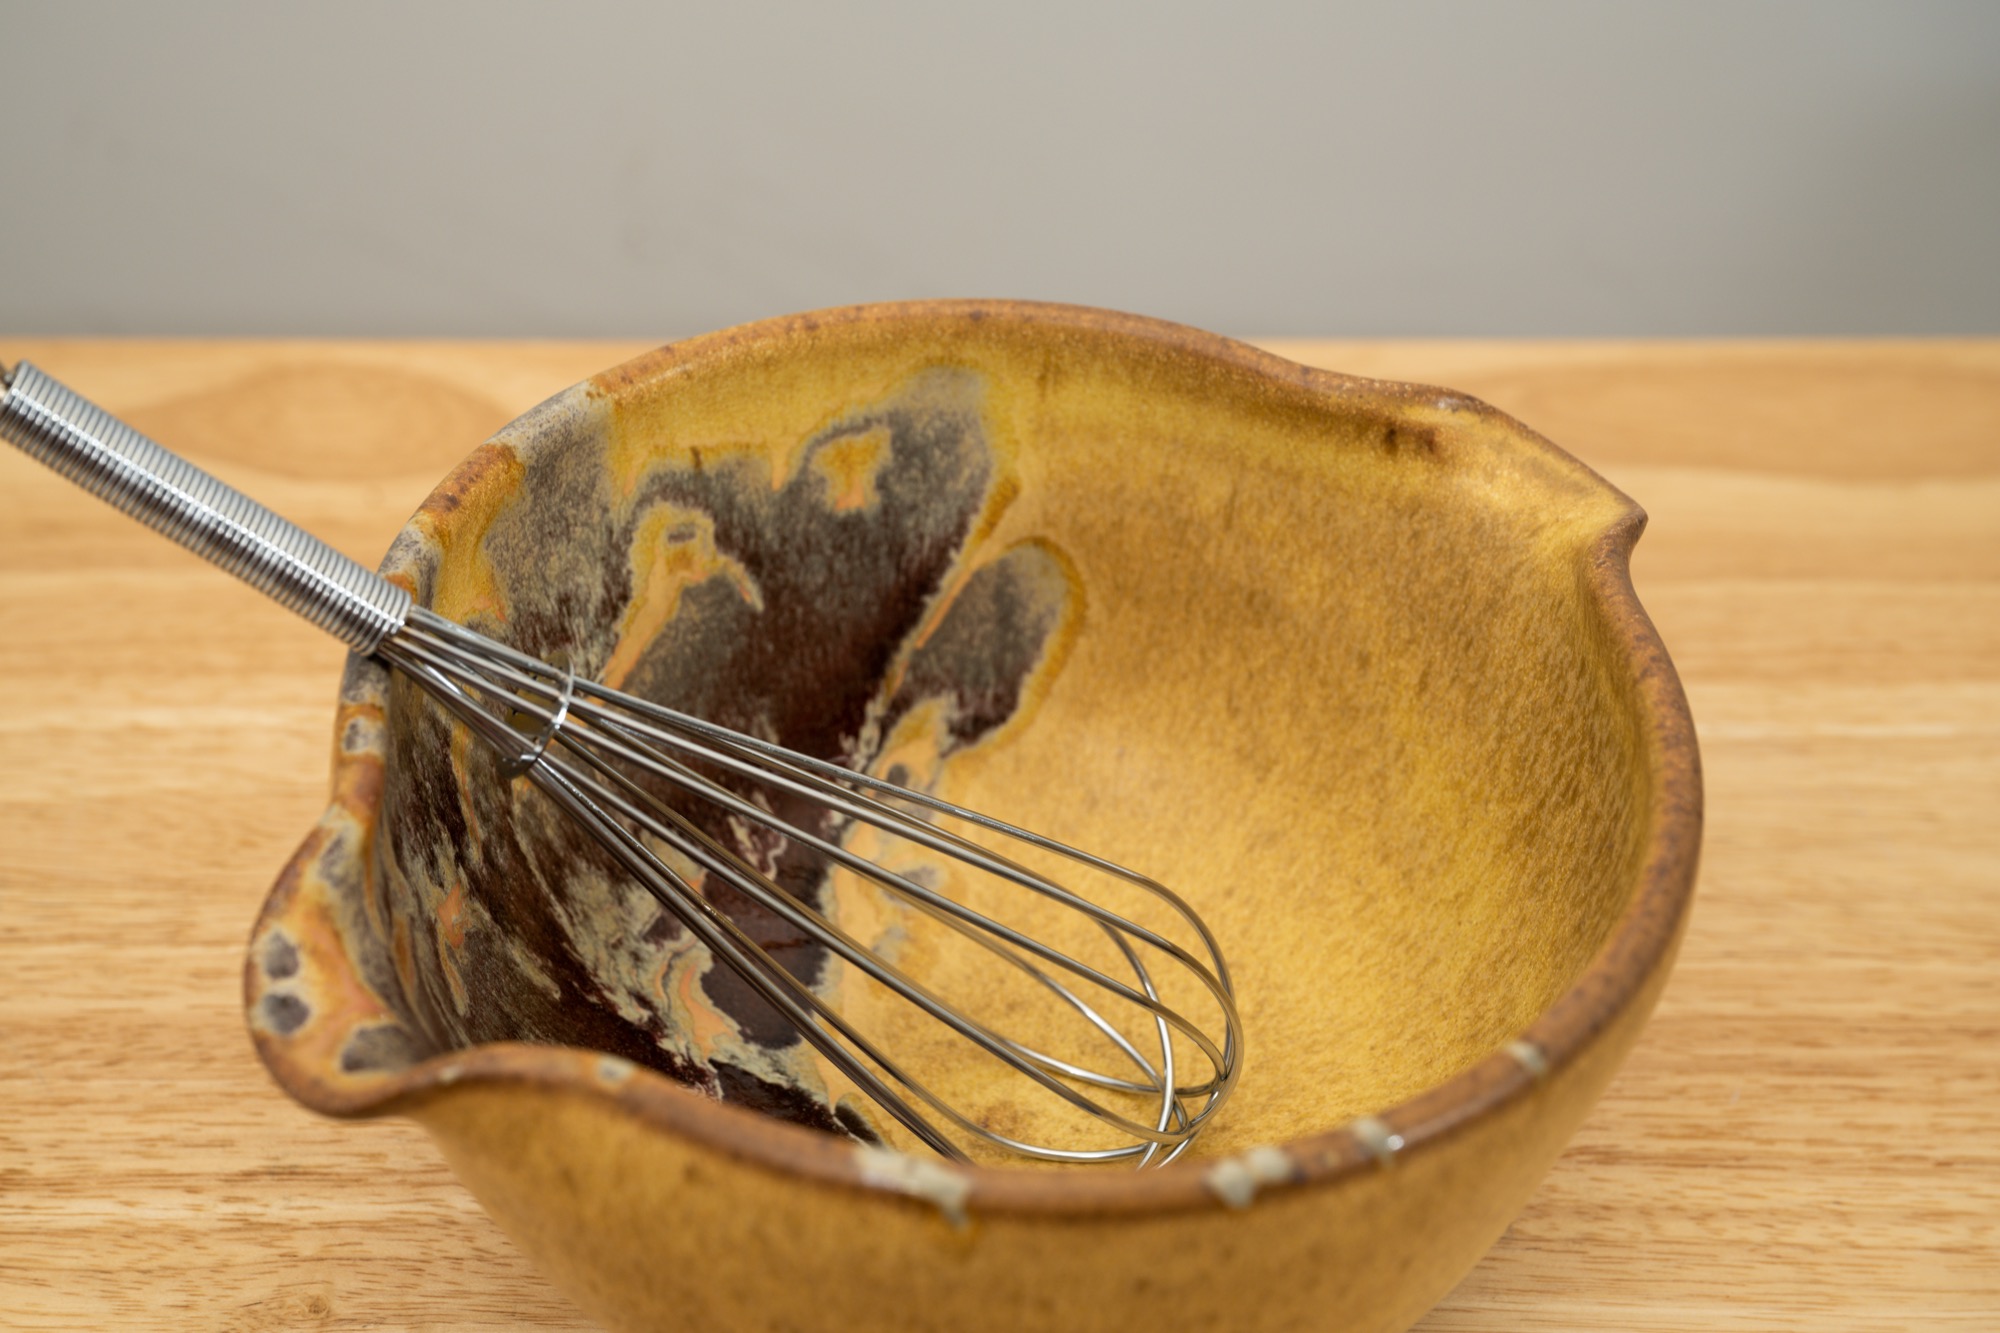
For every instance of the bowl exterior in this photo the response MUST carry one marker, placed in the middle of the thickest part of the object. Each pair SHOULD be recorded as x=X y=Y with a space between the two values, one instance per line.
x=647 y=1229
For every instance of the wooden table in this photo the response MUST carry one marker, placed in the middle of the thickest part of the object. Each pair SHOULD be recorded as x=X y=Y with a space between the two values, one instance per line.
x=1808 y=1135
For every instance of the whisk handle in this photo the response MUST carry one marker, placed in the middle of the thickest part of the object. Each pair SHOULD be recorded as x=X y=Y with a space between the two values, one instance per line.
x=175 y=498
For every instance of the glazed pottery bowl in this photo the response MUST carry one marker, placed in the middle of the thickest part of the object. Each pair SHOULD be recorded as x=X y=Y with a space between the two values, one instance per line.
x=1357 y=667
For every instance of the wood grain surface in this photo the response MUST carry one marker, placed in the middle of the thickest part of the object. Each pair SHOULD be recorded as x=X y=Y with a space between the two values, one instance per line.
x=1807 y=1137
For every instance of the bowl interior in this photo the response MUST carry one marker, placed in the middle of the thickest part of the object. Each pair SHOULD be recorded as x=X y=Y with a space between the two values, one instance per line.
x=1320 y=654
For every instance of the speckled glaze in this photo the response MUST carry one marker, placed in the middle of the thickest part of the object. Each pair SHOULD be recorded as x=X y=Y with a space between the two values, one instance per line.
x=1356 y=667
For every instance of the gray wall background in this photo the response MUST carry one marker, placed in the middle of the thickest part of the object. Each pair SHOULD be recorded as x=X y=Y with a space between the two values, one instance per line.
x=1543 y=168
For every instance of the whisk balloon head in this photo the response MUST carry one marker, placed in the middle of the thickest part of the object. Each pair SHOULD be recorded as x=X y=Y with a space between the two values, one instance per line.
x=990 y=990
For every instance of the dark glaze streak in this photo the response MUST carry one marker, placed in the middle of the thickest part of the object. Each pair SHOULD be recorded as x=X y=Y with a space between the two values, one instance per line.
x=284 y=1014
x=777 y=1099
x=281 y=957
x=513 y=873
x=809 y=637
x=1398 y=437
x=997 y=633
x=384 y=1046
x=841 y=592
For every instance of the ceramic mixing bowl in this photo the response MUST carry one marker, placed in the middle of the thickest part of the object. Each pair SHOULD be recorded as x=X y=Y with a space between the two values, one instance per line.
x=1356 y=667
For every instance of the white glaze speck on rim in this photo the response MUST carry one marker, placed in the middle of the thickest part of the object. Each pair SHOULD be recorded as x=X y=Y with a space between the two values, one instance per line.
x=919 y=1177
x=1236 y=1180
x=1382 y=1142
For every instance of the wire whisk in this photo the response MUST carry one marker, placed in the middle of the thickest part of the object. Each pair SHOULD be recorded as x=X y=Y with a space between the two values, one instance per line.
x=1137 y=1042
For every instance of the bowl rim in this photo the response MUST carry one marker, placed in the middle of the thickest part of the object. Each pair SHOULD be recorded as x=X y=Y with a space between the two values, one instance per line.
x=1639 y=945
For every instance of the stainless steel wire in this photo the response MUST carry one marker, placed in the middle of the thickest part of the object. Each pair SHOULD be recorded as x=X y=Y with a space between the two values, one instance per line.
x=629 y=772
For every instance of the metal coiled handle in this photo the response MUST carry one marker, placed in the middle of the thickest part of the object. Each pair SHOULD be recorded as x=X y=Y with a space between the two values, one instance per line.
x=217 y=522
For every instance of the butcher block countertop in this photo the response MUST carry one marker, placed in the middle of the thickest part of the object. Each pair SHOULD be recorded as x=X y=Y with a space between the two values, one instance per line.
x=1806 y=1137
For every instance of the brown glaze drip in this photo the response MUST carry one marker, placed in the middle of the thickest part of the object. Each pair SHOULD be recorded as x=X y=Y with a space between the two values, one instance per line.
x=815 y=608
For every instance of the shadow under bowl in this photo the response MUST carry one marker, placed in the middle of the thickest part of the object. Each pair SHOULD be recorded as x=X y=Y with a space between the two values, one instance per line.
x=1355 y=667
